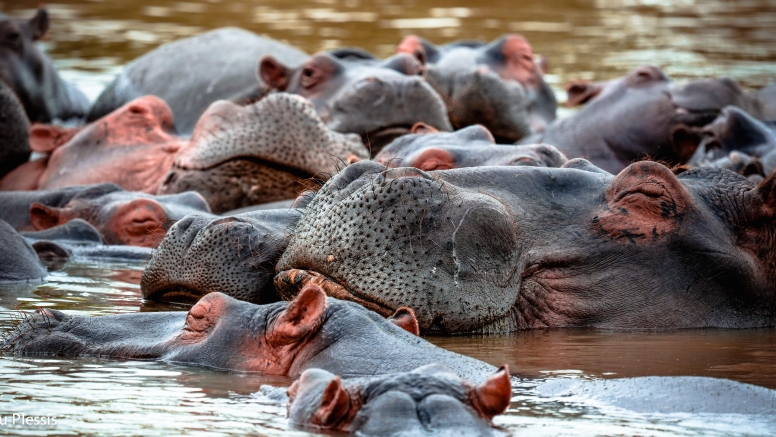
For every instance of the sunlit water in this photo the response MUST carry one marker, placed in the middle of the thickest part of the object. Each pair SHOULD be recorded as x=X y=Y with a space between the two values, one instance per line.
x=114 y=397
x=92 y=39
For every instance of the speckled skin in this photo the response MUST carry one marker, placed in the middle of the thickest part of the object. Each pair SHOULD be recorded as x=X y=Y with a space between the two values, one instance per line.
x=503 y=248
x=241 y=156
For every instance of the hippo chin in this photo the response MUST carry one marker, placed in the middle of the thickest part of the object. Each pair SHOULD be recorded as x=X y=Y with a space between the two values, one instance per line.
x=495 y=249
x=241 y=156
x=354 y=92
x=220 y=332
x=27 y=70
x=430 y=400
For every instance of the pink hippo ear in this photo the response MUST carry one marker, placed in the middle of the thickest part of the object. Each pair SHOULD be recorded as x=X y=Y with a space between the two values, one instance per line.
x=302 y=316
x=413 y=46
x=580 y=92
x=334 y=407
x=493 y=396
x=139 y=222
x=273 y=73
x=45 y=138
x=44 y=217
x=405 y=319
x=434 y=159
x=766 y=193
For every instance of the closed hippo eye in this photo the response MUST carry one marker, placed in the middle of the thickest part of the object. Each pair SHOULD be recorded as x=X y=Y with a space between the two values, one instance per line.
x=202 y=317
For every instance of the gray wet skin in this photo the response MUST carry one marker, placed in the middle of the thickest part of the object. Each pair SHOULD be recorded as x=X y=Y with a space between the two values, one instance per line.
x=732 y=140
x=235 y=255
x=496 y=84
x=247 y=155
x=472 y=146
x=353 y=92
x=14 y=131
x=18 y=260
x=27 y=70
x=220 y=64
x=431 y=400
x=497 y=249
x=667 y=395
x=224 y=333
x=638 y=115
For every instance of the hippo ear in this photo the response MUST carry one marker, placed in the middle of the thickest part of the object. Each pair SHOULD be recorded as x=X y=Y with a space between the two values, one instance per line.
x=45 y=217
x=273 y=73
x=493 y=396
x=302 y=316
x=434 y=158
x=139 y=222
x=423 y=128
x=39 y=24
x=405 y=319
x=413 y=46
x=334 y=406
x=765 y=195
x=44 y=138
x=580 y=92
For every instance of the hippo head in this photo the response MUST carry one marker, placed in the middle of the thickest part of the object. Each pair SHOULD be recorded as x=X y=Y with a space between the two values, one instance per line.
x=20 y=59
x=428 y=400
x=357 y=93
x=640 y=115
x=504 y=248
x=472 y=146
x=14 y=131
x=121 y=217
x=247 y=155
x=497 y=84
x=735 y=140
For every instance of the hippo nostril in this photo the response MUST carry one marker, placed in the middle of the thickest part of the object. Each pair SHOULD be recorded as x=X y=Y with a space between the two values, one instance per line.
x=223 y=221
x=407 y=172
x=183 y=224
x=137 y=109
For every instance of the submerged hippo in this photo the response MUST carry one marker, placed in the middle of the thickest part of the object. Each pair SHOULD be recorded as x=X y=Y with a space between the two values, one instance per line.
x=732 y=140
x=18 y=260
x=191 y=73
x=247 y=155
x=472 y=146
x=499 y=84
x=353 y=92
x=283 y=338
x=237 y=156
x=430 y=400
x=638 y=116
x=497 y=249
x=27 y=70
x=120 y=217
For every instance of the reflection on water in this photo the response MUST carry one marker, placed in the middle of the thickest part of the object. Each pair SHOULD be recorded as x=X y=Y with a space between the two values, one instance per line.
x=90 y=396
x=581 y=39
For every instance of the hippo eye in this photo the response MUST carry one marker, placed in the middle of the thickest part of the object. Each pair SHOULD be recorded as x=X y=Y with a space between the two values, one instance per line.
x=13 y=39
x=310 y=77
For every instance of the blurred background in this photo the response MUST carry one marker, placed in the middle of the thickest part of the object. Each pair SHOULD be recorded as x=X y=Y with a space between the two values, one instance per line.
x=90 y=40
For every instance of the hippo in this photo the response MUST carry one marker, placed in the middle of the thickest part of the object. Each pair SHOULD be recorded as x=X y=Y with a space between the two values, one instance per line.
x=120 y=217
x=246 y=155
x=430 y=400
x=498 y=84
x=733 y=140
x=282 y=338
x=767 y=98
x=220 y=65
x=471 y=146
x=354 y=92
x=237 y=156
x=46 y=97
x=498 y=249
x=14 y=131
x=243 y=249
x=18 y=260
x=637 y=116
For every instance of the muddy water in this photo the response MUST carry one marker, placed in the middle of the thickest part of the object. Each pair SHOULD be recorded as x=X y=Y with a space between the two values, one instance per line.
x=115 y=397
x=583 y=39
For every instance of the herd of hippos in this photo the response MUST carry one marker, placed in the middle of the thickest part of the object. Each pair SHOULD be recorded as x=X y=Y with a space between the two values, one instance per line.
x=323 y=211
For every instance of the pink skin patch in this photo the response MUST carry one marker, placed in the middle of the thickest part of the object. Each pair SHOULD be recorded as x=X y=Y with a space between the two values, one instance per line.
x=644 y=202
